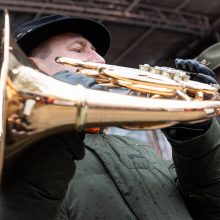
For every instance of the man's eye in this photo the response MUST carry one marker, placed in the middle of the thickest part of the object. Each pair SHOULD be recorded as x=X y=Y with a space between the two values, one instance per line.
x=78 y=50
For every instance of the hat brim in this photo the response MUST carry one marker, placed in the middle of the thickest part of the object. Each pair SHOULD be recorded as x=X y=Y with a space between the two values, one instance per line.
x=93 y=31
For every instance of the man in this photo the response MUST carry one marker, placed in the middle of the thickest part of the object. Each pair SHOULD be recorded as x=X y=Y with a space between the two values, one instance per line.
x=121 y=178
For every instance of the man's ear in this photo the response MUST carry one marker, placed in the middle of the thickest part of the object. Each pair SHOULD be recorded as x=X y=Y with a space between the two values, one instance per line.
x=34 y=60
x=38 y=63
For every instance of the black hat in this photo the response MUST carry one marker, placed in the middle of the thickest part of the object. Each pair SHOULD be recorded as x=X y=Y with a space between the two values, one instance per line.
x=32 y=33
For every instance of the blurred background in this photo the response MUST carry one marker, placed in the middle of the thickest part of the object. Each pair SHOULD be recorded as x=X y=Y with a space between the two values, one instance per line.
x=142 y=31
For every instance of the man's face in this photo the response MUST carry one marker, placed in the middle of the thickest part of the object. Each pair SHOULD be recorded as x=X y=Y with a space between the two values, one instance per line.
x=68 y=45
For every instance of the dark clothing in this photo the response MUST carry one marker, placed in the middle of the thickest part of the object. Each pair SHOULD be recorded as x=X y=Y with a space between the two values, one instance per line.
x=35 y=186
x=75 y=79
x=123 y=179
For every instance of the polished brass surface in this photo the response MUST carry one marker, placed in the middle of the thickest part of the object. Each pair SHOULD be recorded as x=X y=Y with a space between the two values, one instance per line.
x=149 y=81
x=3 y=78
x=35 y=105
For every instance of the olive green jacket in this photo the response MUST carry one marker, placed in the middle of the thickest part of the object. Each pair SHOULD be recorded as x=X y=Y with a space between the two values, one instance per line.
x=121 y=178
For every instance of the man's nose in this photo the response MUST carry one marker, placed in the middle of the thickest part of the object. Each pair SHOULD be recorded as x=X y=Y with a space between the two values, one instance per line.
x=95 y=57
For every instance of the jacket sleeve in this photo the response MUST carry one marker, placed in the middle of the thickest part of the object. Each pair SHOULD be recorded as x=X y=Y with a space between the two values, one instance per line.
x=197 y=163
x=34 y=187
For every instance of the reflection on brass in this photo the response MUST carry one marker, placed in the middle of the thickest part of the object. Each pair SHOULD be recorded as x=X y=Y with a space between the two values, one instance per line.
x=35 y=105
x=148 y=81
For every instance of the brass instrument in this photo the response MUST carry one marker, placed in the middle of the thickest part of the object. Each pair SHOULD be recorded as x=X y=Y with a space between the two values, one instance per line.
x=151 y=82
x=35 y=105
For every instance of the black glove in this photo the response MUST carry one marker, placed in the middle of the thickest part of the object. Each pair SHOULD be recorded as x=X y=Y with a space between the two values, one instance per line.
x=74 y=79
x=183 y=132
x=36 y=184
x=201 y=72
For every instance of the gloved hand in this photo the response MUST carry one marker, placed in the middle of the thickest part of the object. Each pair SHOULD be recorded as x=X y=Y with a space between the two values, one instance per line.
x=74 y=79
x=34 y=187
x=201 y=72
